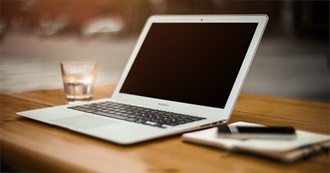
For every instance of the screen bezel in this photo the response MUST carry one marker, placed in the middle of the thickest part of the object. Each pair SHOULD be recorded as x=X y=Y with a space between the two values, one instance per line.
x=191 y=108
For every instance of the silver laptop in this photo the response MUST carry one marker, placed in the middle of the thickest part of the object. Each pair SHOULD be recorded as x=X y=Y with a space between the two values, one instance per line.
x=185 y=73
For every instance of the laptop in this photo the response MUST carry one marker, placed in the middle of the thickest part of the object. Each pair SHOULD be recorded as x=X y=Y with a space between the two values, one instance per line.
x=188 y=68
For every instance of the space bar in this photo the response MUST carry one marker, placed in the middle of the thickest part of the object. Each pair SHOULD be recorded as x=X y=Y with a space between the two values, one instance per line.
x=110 y=115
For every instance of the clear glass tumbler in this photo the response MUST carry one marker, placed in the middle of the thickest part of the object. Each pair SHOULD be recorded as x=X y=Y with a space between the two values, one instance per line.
x=78 y=80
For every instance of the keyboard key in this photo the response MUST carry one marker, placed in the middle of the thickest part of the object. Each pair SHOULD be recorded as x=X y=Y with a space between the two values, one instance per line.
x=110 y=115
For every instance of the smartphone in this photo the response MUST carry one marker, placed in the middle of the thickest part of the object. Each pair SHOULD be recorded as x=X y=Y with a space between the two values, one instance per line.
x=256 y=132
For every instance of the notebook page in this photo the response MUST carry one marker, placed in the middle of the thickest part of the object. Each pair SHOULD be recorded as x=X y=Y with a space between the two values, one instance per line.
x=303 y=139
x=209 y=136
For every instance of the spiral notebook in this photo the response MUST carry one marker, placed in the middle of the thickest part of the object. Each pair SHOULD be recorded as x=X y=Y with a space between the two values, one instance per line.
x=304 y=145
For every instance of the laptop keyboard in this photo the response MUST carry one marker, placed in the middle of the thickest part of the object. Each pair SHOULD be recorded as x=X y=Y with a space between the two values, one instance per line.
x=152 y=117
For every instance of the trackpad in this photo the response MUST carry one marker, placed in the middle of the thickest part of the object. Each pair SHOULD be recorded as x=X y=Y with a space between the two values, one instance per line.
x=84 y=121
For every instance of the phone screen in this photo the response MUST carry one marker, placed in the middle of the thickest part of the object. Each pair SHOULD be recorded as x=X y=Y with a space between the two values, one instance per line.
x=244 y=132
x=265 y=130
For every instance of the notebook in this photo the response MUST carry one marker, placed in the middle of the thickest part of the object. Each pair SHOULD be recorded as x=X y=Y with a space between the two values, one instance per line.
x=304 y=145
x=185 y=65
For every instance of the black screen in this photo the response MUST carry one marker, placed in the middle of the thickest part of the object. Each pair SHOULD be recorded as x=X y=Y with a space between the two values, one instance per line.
x=194 y=63
x=266 y=130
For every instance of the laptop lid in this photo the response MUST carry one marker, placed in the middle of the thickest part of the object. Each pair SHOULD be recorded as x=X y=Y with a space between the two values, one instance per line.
x=192 y=64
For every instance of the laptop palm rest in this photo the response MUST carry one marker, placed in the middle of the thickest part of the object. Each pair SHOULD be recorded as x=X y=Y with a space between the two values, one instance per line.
x=84 y=121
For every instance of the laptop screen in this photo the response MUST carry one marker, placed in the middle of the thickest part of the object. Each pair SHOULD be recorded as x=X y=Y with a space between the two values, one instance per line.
x=194 y=63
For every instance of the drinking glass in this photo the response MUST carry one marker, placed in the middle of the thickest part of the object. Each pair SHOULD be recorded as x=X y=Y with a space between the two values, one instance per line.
x=78 y=80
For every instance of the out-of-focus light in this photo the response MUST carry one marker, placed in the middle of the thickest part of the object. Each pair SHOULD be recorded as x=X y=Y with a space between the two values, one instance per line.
x=103 y=25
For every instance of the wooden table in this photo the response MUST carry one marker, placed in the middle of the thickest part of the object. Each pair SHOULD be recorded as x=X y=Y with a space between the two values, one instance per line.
x=29 y=145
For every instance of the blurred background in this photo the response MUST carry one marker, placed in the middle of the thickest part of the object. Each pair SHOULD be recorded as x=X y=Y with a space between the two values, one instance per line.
x=36 y=35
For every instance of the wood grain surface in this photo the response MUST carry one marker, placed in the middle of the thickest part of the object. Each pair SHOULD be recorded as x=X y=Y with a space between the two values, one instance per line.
x=28 y=145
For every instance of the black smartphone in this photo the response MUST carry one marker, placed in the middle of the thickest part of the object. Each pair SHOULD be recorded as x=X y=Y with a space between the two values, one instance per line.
x=256 y=132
